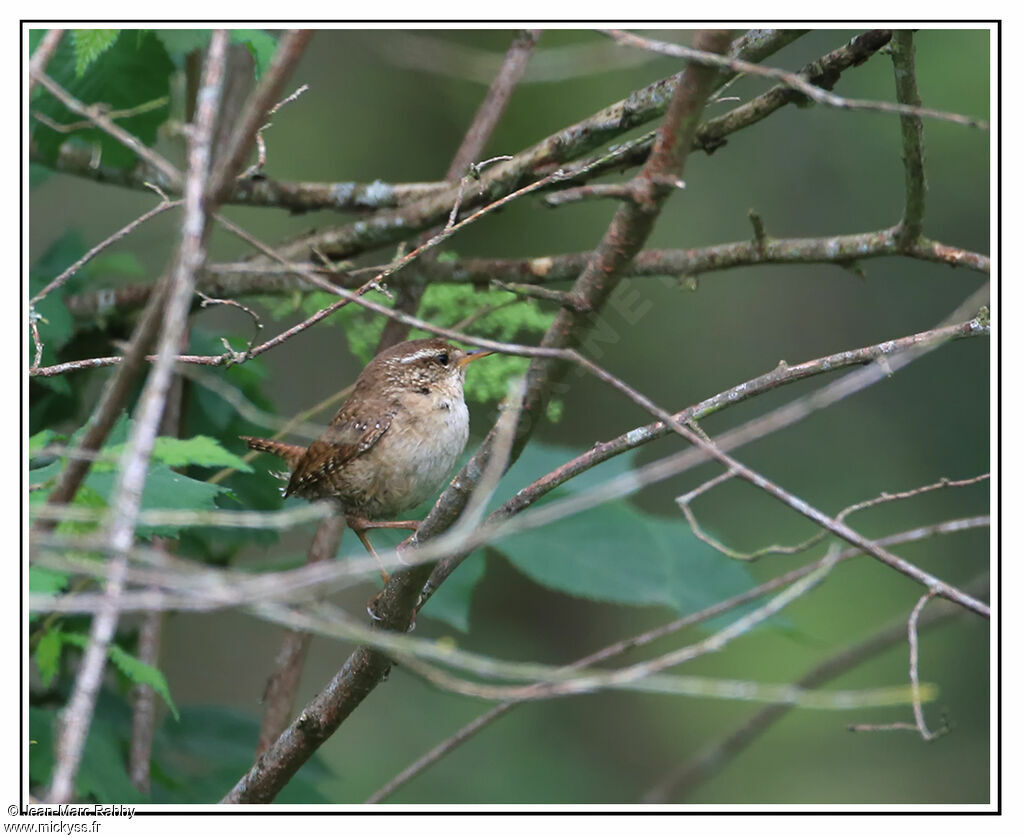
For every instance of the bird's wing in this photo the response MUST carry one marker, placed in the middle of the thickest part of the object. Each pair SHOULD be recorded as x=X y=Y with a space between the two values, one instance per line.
x=346 y=438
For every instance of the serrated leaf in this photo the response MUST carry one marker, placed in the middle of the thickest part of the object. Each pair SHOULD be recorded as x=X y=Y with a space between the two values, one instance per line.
x=85 y=498
x=47 y=655
x=135 y=670
x=130 y=74
x=90 y=44
x=196 y=451
x=165 y=489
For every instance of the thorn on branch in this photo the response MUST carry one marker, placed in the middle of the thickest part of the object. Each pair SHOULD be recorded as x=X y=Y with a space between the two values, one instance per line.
x=760 y=237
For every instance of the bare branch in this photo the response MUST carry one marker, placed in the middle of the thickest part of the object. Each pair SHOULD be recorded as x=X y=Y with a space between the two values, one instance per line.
x=41 y=57
x=912 y=133
x=76 y=718
x=794 y=80
x=289 y=50
x=98 y=118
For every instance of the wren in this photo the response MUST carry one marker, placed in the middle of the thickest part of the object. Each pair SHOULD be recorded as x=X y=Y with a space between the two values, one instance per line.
x=393 y=442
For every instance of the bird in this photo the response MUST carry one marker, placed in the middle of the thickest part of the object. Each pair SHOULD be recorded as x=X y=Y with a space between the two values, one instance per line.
x=392 y=443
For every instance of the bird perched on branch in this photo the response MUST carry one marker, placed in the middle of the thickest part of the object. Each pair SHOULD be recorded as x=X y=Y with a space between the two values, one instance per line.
x=393 y=442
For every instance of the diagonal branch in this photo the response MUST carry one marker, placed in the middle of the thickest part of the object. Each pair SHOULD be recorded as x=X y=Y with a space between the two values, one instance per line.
x=366 y=667
x=287 y=54
x=76 y=718
x=105 y=123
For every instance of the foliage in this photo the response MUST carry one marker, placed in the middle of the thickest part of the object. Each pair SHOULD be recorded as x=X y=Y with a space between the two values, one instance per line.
x=627 y=565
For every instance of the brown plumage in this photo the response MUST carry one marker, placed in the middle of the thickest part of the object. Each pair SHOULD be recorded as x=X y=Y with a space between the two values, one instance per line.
x=395 y=440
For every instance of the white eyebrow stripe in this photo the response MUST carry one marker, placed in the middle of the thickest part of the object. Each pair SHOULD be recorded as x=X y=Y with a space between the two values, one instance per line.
x=419 y=355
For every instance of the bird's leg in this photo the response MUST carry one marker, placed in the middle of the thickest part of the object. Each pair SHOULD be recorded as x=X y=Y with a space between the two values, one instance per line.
x=388 y=525
x=384 y=575
x=361 y=525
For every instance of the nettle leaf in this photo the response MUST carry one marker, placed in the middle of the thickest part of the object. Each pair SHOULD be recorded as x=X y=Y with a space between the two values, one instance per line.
x=165 y=489
x=90 y=44
x=197 y=451
x=130 y=74
x=86 y=498
x=47 y=655
x=135 y=670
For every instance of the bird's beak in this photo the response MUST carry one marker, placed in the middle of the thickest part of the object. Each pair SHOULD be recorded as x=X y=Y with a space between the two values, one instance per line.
x=475 y=355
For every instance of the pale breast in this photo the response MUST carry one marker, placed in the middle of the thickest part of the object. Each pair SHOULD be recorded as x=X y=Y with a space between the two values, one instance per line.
x=410 y=463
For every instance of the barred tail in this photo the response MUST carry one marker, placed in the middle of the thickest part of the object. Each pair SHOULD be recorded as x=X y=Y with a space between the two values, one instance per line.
x=291 y=454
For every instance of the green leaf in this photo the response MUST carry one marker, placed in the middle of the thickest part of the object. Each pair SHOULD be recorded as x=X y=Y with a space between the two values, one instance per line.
x=210 y=748
x=53 y=319
x=90 y=44
x=85 y=498
x=451 y=602
x=137 y=671
x=131 y=74
x=180 y=42
x=124 y=264
x=38 y=441
x=261 y=44
x=47 y=655
x=197 y=451
x=102 y=775
x=165 y=489
x=42 y=580
x=614 y=552
x=140 y=672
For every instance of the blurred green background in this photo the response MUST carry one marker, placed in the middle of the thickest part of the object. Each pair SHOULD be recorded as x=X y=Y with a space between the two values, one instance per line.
x=813 y=171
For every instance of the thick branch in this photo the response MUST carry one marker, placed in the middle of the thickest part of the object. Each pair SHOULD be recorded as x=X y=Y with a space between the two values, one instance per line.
x=365 y=667
x=912 y=133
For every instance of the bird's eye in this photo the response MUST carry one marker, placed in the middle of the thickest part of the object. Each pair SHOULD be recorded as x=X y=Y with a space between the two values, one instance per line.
x=442 y=359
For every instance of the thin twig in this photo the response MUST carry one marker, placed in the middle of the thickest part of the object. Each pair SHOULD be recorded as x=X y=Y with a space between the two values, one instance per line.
x=919 y=724
x=41 y=57
x=236 y=279
x=98 y=118
x=681 y=781
x=76 y=718
x=684 y=501
x=366 y=667
x=463 y=734
x=289 y=50
x=794 y=80
x=261 y=146
x=71 y=270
